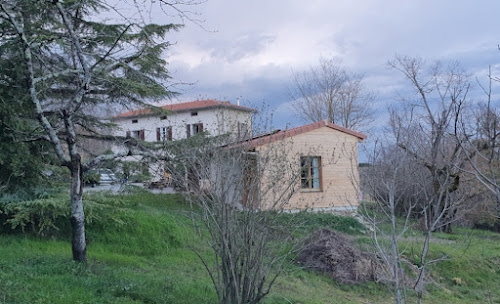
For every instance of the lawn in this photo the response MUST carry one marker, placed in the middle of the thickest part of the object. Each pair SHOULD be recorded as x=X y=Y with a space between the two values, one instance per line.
x=140 y=250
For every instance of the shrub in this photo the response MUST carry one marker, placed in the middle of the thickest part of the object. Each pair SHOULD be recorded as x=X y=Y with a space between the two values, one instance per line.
x=51 y=216
x=40 y=216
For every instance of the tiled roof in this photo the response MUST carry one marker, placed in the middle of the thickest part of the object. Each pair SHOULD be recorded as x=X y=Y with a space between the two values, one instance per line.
x=262 y=140
x=187 y=106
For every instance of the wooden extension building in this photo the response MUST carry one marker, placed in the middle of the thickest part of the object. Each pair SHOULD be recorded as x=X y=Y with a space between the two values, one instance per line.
x=321 y=160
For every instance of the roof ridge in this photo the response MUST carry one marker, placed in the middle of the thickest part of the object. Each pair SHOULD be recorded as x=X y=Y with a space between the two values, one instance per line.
x=185 y=106
x=302 y=129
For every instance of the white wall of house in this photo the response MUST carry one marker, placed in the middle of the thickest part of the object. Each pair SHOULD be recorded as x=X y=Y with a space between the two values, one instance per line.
x=216 y=121
x=235 y=122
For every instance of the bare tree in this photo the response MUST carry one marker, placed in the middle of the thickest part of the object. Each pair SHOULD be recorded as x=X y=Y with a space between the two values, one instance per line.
x=384 y=182
x=479 y=136
x=426 y=130
x=394 y=182
x=416 y=173
x=330 y=92
x=239 y=193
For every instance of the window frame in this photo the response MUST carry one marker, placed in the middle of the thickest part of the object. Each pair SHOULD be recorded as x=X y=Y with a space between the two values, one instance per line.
x=308 y=173
x=138 y=134
x=166 y=133
x=196 y=128
x=243 y=130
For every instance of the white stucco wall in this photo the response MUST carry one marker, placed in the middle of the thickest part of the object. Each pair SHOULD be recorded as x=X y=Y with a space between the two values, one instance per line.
x=216 y=121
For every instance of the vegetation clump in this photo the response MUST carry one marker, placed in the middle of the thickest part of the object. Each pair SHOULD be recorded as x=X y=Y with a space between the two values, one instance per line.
x=337 y=256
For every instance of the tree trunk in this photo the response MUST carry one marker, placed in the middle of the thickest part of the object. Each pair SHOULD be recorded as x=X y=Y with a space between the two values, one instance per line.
x=78 y=243
x=447 y=228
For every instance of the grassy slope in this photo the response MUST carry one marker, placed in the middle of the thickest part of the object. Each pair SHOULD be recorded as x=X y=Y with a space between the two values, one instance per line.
x=148 y=260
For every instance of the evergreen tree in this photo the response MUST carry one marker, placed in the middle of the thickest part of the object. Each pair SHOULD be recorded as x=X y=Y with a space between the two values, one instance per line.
x=70 y=64
x=21 y=160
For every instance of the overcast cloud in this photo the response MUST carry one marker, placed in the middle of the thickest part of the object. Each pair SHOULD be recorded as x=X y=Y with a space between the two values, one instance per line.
x=249 y=48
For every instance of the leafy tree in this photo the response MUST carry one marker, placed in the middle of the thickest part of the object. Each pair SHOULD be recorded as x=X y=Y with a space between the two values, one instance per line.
x=71 y=64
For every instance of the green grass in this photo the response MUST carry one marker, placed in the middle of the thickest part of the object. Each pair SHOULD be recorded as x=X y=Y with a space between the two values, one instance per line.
x=145 y=259
x=140 y=251
x=307 y=222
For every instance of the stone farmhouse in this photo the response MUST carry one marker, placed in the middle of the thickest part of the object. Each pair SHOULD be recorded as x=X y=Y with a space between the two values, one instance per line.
x=184 y=120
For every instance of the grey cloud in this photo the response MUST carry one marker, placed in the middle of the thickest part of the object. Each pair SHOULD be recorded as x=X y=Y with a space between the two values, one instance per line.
x=366 y=36
x=241 y=46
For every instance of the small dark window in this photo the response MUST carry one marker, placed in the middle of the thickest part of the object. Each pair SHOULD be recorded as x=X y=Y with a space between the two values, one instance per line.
x=135 y=121
x=163 y=117
x=197 y=128
x=194 y=129
x=138 y=134
x=194 y=113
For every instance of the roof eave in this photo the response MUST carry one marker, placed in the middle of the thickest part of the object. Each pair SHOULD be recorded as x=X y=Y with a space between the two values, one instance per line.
x=232 y=107
x=228 y=106
x=293 y=132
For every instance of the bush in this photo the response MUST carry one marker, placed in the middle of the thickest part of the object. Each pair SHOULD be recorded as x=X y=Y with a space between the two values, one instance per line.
x=41 y=216
x=29 y=194
x=51 y=216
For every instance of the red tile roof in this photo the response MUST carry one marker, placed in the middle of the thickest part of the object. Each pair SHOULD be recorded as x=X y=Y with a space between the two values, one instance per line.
x=187 y=106
x=262 y=140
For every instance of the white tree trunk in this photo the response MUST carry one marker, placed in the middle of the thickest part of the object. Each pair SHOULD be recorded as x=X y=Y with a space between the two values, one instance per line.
x=79 y=246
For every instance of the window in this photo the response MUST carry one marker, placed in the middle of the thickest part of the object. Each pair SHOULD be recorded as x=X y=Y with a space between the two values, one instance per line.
x=194 y=113
x=310 y=176
x=243 y=131
x=164 y=134
x=197 y=128
x=135 y=120
x=194 y=129
x=137 y=134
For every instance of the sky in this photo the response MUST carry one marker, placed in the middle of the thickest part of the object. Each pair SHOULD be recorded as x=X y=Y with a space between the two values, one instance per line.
x=247 y=50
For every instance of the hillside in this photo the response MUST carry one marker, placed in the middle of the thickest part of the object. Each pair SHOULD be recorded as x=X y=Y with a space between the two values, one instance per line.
x=140 y=250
